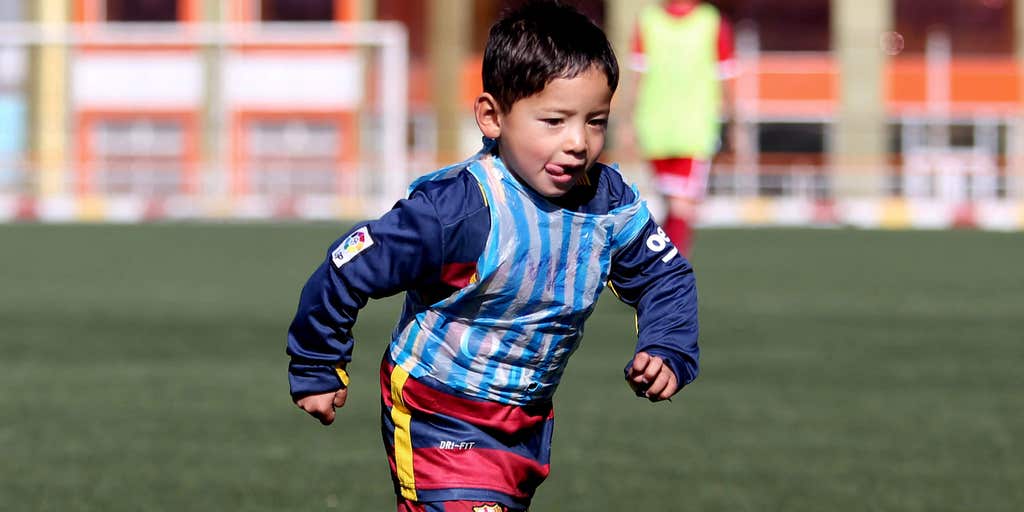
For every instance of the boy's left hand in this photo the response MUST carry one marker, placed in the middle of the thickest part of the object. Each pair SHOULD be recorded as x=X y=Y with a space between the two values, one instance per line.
x=650 y=377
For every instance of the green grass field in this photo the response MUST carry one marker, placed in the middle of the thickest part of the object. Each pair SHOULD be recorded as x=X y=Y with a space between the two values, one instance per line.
x=143 y=368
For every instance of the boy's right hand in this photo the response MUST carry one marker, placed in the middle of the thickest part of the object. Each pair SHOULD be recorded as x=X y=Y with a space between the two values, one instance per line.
x=322 y=406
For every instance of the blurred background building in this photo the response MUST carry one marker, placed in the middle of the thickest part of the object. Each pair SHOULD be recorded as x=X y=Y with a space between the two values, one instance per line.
x=875 y=113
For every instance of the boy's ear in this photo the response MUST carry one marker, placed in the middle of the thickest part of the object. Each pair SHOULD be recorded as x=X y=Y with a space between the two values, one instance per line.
x=488 y=115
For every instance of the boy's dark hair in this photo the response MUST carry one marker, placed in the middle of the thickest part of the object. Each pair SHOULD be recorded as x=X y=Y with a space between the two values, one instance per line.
x=539 y=42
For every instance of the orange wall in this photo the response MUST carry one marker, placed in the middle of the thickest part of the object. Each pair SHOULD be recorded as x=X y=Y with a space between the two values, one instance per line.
x=797 y=83
x=993 y=84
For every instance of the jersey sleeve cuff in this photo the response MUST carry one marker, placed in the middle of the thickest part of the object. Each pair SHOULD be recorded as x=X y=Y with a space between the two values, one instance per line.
x=307 y=379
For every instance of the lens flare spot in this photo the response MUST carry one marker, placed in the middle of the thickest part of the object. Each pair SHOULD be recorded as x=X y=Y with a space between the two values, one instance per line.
x=892 y=43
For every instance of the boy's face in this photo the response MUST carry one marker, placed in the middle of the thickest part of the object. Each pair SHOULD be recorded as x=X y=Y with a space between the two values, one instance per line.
x=551 y=138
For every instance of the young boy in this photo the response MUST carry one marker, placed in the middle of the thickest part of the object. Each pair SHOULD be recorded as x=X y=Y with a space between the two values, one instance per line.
x=502 y=258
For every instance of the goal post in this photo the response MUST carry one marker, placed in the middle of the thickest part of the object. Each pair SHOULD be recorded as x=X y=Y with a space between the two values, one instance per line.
x=244 y=120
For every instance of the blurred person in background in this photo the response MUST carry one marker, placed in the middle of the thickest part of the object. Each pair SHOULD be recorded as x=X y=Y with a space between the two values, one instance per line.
x=683 y=63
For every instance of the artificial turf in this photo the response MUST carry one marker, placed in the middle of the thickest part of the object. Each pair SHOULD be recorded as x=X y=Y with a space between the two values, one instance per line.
x=143 y=368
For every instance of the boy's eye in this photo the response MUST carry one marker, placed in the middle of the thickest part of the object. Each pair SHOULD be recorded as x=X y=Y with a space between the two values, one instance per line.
x=600 y=122
x=552 y=121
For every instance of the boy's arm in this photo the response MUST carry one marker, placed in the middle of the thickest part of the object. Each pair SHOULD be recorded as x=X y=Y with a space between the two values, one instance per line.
x=377 y=259
x=650 y=275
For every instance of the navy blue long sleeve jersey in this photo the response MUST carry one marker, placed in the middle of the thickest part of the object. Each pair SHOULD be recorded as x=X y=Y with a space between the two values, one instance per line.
x=428 y=245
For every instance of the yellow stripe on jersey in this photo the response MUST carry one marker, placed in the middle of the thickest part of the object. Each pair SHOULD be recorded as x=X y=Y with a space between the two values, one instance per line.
x=482 y=193
x=342 y=374
x=611 y=286
x=403 y=434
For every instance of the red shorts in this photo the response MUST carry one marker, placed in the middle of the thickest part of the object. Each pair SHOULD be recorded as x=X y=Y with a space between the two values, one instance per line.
x=681 y=177
x=449 y=450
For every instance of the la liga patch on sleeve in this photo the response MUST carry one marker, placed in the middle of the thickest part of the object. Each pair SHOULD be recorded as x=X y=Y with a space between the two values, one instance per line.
x=356 y=242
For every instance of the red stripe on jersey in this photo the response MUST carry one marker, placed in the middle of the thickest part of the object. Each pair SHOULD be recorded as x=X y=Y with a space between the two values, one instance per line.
x=503 y=418
x=508 y=419
x=385 y=382
x=405 y=505
x=458 y=275
x=496 y=470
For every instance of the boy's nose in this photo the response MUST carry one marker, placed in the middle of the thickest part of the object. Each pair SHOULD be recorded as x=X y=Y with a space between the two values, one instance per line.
x=575 y=141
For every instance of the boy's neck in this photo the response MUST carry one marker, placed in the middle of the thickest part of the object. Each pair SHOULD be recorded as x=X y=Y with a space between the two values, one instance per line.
x=575 y=198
